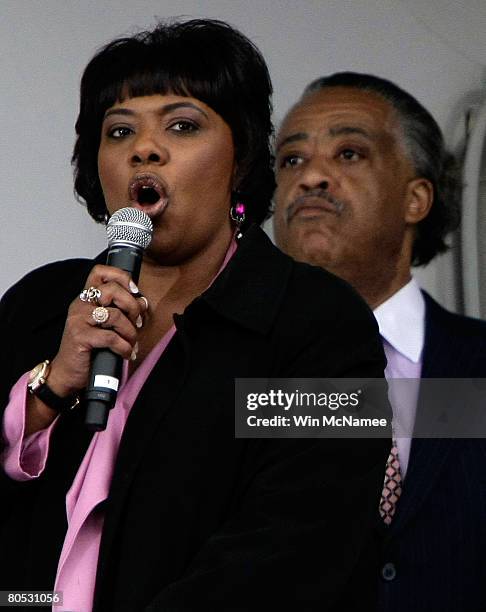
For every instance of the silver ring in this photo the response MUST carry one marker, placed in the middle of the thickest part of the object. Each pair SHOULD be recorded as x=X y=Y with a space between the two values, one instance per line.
x=100 y=315
x=91 y=294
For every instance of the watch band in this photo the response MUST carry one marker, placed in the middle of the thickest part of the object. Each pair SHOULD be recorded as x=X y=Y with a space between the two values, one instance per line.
x=54 y=401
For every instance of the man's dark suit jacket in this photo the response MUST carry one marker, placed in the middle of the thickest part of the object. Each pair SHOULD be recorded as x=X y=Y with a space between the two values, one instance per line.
x=196 y=519
x=434 y=558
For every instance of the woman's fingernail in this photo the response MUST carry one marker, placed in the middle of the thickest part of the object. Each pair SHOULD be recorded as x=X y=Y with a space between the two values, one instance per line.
x=142 y=297
x=133 y=287
x=139 y=321
x=133 y=356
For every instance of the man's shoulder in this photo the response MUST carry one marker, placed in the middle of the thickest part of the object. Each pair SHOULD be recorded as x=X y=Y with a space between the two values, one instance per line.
x=455 y=345
x=450 y=322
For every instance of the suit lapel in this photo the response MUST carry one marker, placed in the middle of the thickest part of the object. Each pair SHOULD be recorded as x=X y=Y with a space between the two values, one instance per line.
x=427 y=456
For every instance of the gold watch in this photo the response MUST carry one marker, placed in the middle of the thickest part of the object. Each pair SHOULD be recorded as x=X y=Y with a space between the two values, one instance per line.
x=38 y=375
x=37 y=386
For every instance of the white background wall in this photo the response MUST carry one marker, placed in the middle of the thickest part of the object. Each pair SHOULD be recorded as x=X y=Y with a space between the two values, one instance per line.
x=45 y=44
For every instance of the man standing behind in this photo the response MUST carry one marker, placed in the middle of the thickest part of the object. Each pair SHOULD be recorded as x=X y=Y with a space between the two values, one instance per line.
x=366 y=189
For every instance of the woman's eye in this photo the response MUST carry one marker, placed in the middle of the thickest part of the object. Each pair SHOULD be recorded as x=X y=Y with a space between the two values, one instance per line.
x=290 y=161
x=119 y=132
x=350 y=155
x=184 y=127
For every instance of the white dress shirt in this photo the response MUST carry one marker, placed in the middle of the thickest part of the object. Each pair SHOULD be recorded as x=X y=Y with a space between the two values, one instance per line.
x=401 y=320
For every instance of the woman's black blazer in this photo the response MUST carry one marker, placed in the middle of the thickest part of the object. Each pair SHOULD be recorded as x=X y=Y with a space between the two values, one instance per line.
x=195 y=518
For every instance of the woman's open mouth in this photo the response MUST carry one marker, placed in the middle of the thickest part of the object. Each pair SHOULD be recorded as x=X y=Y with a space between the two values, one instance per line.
x=148 y=193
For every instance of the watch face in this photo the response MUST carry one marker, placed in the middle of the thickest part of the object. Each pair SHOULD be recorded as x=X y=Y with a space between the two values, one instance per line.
x=38 y=375
x=35 y=372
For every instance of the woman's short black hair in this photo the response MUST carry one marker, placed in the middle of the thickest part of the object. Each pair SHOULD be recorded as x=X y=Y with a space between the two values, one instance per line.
x=203 y=58
x=425 y=145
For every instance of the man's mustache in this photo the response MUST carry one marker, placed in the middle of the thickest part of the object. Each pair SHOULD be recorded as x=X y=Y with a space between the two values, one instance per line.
x=330 y=203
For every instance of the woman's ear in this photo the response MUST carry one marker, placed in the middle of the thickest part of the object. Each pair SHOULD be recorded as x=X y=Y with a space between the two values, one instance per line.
x=420 y=196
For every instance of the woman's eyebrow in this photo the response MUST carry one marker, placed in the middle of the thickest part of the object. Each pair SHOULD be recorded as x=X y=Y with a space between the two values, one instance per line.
x=175 y=105
x=118 y=111
x=167 y=108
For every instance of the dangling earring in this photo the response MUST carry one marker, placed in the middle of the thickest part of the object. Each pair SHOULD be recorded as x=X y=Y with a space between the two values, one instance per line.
x=237 y=212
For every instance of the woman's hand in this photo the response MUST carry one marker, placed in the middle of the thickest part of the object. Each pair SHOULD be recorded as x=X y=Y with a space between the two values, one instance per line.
x=70 y=368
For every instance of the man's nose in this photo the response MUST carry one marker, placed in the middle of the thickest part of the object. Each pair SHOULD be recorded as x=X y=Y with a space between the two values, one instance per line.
x=316 y=175
x=323 y=184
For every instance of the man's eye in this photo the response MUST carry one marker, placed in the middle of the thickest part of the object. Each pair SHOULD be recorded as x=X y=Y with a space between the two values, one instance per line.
x=184 y=127
x=350 y=155
x=119 y=132
x=290 y=161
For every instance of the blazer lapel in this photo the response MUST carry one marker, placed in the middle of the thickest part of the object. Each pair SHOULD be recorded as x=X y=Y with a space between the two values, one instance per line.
x=158 y=395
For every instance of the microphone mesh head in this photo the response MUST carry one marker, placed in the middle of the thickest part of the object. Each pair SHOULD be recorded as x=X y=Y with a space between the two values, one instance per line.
x=129 y=226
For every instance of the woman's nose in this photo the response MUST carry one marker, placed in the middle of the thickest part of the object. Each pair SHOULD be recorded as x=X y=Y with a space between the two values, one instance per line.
x=141 y=158
x=146 y=150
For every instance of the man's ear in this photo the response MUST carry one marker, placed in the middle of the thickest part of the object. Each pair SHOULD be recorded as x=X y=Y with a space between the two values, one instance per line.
x=420 y=196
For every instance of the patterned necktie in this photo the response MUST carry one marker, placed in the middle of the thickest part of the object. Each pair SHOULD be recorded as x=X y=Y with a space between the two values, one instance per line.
x=392 y=486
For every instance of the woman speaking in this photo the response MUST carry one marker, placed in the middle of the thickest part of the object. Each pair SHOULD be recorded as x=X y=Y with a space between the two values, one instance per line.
x=165 y=509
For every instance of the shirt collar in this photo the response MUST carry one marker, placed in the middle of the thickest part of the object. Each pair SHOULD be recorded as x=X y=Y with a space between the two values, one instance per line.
x=401 y=320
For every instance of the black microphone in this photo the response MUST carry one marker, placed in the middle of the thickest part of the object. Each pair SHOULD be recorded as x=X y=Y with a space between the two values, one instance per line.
x=129 y=232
